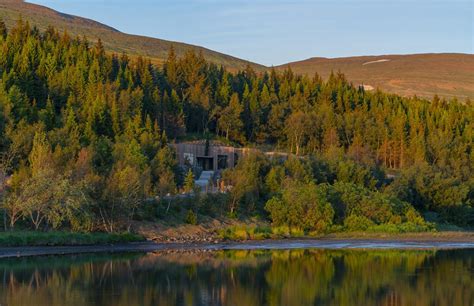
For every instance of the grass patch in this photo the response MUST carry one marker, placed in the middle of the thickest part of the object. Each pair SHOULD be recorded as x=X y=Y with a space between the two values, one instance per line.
x=239 y=233
x=242 y=233
x=26 y=238
x=247 y=233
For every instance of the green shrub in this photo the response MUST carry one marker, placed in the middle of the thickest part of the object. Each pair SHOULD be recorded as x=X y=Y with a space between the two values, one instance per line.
x=414 y=217
x=213 y=204
x=301 y=205
x=281 y=230
x=297 y=232
x=234 y=233
x=241 y=233
x=357 y=223
x=191 y=217
x=409 y=227
x=246 y=233
x=384 y=228
x=261 y=232
x=406 y=227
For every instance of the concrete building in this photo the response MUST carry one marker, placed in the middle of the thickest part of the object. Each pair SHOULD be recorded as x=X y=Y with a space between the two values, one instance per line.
x=214 y=155
x=210 y=158
x=208 y=155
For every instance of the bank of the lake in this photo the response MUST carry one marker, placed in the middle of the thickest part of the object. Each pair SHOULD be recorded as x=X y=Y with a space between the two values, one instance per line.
x=442 y=240
x=230 y=229
x=31 y=238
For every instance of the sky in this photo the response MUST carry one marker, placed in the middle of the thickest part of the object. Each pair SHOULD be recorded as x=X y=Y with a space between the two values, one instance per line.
x=273 y=32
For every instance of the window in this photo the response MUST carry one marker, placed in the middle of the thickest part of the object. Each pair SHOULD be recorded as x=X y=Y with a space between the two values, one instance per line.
x=189 y=159
x=221 y=162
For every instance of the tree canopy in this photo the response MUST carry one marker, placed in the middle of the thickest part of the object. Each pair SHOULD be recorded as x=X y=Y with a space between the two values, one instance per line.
x=98 y=125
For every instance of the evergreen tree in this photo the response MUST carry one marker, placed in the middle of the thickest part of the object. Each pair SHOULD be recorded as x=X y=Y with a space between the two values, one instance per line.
x=118 y=115
x=189 y=181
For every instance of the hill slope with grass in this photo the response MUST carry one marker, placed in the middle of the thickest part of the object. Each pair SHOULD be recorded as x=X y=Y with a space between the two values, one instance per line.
x=113 y=39
x=445 y=74
x=448 y=75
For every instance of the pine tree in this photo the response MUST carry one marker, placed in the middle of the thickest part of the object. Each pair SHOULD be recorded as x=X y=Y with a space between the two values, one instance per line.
x=3 y=29
x=78 y=98
x=189 y=182
x=171 y=69
x=230 y=122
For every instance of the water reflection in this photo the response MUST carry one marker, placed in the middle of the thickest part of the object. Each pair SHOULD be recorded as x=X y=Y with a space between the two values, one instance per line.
x=296 y=277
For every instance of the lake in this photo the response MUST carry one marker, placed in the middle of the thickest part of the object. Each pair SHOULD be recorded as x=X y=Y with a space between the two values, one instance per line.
x=243 y=277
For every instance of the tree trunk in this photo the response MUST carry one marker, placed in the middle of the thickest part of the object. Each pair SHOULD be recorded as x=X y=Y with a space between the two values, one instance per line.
x=402 y=162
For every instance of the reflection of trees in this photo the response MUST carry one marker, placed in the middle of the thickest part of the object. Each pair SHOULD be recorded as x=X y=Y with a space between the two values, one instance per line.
x=296 y=277
x=372 y=278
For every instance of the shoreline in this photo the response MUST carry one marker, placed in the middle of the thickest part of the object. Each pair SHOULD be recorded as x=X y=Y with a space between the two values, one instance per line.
x=382 y=242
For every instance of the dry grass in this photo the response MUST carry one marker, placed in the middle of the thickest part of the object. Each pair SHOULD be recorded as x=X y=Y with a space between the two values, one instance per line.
x=114 y=40
x=447 y=74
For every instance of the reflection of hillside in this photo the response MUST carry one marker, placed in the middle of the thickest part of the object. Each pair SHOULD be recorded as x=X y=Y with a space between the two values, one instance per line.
x=296 y=277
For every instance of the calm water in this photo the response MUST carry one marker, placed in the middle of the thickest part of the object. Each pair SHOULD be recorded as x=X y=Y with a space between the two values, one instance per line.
x=244 y=278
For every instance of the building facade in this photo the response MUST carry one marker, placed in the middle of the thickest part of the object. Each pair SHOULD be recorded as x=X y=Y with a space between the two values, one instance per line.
x=208 y=155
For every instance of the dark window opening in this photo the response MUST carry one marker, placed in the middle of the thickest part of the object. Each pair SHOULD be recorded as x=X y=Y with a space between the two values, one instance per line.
x=221 y=162
x=205 y=163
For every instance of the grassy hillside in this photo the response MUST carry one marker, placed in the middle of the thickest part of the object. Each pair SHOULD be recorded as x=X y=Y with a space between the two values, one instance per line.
x=447 y=75
x=114 y=40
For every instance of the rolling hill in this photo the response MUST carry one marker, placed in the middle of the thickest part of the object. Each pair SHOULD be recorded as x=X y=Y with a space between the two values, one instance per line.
x=446 y=74
x=113 y=40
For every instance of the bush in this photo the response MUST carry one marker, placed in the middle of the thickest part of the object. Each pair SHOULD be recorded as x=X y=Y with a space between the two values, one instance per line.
x=234 y=233
x=407 y=227
x=357 y=223
x=213 y=204
x=410 y=227
x=281 y=231
x=302 y=206
x=385 y=228
x=191 y=217
x=297 y=232
x=246 y=233
x=429 y=188
x=259 y=232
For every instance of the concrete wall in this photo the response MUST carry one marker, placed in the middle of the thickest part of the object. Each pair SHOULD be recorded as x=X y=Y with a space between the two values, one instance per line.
x=192 y=150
